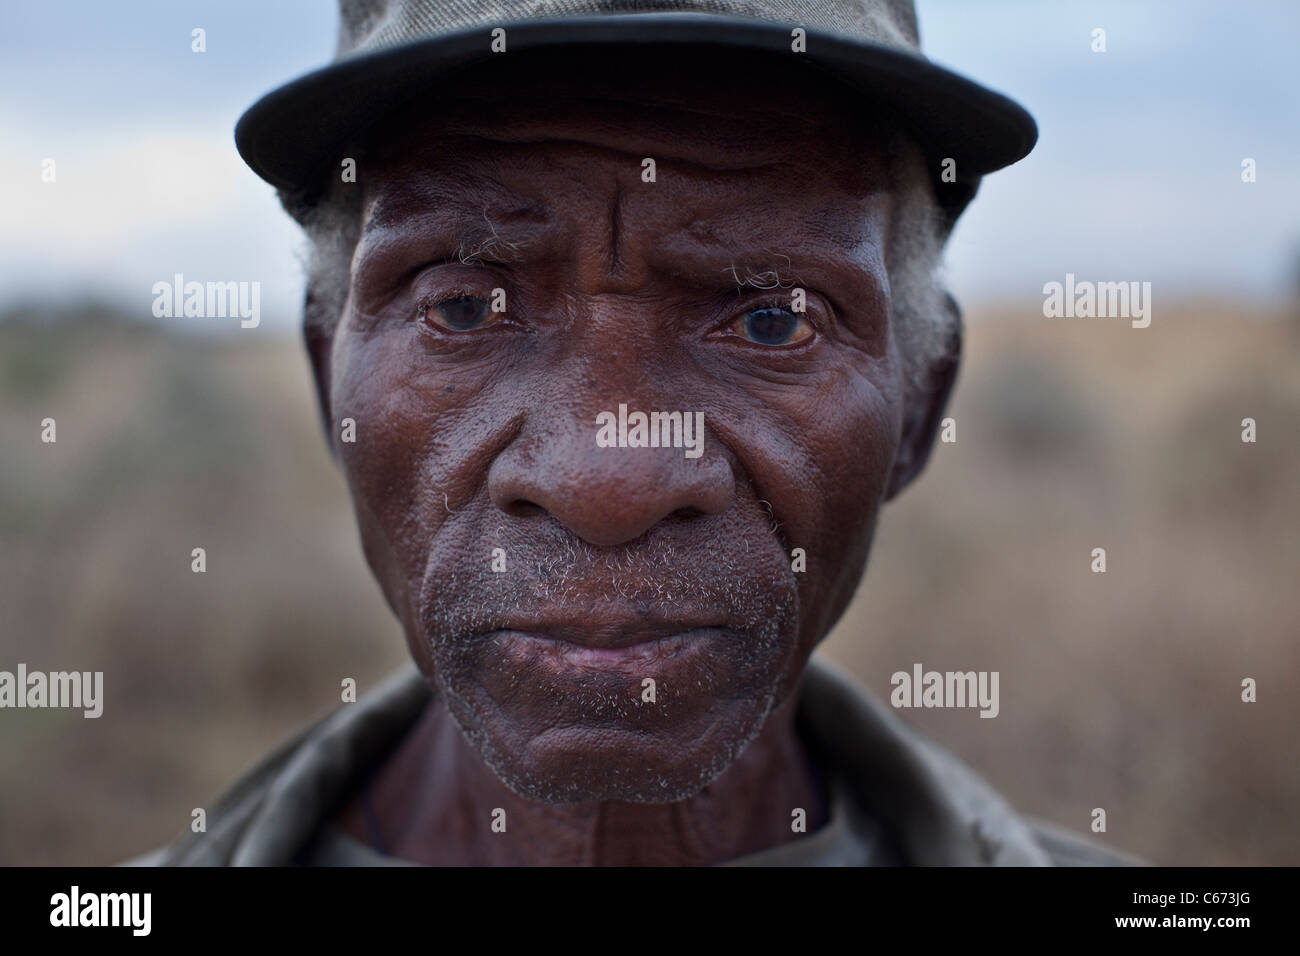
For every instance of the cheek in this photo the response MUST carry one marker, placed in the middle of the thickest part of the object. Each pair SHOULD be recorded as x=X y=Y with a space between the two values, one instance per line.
x=400 y=418
x=856 y=446
x=822 y=459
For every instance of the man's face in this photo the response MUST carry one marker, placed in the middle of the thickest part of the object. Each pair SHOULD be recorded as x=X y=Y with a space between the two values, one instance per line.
x=543 y=579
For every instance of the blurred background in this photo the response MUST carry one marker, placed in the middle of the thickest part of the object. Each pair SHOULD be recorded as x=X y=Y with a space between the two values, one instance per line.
x=1119 y=690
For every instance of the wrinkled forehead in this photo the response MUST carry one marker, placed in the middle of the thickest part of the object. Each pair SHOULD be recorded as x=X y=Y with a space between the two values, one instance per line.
x=725 y=129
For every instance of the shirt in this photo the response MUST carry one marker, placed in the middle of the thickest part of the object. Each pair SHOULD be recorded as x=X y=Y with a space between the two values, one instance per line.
x=895 y=797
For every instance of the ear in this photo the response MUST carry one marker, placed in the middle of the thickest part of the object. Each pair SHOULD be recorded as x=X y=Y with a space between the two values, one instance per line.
x=318 y=336
x=924 y=410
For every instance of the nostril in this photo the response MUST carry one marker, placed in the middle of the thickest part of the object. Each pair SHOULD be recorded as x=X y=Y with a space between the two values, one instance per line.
x=523 y=508
x=690 y=511
x=605 y=500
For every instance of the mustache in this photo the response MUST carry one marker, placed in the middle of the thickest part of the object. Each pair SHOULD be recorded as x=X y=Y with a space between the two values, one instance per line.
x=733 y=573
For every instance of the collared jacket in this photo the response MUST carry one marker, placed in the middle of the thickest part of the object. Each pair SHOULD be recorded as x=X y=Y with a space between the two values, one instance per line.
x=896 y=797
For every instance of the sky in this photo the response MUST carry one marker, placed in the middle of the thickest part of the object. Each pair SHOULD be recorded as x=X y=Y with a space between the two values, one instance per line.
x=1136 y=176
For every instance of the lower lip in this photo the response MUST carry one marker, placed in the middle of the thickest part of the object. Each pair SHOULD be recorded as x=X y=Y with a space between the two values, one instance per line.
x=672 y=649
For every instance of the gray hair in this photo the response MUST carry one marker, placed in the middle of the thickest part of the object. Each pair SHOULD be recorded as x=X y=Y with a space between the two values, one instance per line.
x=927 y=329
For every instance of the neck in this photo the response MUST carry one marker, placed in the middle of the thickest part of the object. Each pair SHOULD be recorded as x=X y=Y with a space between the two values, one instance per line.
x=435 y=801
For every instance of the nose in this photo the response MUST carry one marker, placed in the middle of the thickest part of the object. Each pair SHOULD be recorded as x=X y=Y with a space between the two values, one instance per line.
x=607 y=496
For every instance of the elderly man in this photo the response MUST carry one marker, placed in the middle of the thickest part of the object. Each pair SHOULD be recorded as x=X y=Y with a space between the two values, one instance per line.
x=624 y=326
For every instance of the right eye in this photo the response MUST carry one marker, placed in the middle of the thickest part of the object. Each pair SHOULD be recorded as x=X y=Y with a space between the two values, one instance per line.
x=461 y=313
x=773 y=326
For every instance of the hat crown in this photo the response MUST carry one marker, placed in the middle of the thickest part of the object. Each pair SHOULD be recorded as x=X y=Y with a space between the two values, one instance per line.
x=390 y=51
x=368 y=25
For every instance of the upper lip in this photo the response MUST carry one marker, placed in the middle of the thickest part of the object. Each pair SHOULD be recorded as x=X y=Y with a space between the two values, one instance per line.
x=608 y=630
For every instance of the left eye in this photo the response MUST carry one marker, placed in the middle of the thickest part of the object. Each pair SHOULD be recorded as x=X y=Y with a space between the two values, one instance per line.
x=773 y=326
x=463 y=313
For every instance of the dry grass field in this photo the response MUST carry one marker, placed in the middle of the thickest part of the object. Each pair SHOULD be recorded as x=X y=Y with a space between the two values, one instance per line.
x=1118 y=690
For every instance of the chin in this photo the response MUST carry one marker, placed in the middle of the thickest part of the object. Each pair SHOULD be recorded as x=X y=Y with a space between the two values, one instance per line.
x=654 y=723
x=593 y=764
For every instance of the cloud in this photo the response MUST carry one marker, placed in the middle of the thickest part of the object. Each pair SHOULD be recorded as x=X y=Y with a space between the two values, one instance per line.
x=130 y=206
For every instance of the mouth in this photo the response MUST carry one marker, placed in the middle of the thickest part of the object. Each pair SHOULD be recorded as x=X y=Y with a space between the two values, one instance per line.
x=611 y=644
x=612 y=632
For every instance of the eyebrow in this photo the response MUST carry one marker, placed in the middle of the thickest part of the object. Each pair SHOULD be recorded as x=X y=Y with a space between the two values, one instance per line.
x=483 y=242
x=769 y=278
x=484 y=227
x=712 y=251
x=474 y=225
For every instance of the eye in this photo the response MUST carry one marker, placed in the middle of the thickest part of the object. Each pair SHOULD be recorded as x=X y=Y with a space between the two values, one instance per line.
x=461 y=313
x=773 y=325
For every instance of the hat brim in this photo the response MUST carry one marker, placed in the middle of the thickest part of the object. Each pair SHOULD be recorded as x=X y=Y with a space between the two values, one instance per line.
x=295 y=135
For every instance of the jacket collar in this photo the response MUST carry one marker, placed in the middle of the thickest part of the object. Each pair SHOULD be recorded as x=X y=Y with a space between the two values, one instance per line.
x=934 y=808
